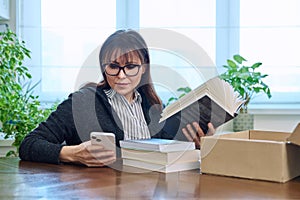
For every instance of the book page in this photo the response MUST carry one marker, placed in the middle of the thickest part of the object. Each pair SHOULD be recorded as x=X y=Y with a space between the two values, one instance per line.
x=223 y=93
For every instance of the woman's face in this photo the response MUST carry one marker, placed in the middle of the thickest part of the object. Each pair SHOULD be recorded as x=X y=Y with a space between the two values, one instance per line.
x=122 y=83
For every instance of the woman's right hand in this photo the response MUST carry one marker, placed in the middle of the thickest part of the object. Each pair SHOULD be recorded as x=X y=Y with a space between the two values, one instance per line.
x=193 y=132
x=87 y=154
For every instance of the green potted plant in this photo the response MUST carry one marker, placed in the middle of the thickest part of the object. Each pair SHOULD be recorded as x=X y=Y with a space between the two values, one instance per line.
x=247 y=81
x=182 y=90
x=20 y=110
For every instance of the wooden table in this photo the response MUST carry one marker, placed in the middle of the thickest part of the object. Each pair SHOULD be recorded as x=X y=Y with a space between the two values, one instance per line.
x=20 y=179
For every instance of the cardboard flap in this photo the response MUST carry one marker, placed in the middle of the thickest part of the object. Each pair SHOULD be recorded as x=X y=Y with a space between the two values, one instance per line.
x=207 y=144
x=295 y=136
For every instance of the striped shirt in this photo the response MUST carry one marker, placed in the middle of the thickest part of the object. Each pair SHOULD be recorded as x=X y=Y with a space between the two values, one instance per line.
x=130 y=114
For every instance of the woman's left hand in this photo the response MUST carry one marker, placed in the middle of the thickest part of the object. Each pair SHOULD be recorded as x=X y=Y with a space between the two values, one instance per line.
x=194 y=133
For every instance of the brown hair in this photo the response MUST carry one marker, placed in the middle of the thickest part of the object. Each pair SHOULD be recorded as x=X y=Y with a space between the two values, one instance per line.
x=129 y=43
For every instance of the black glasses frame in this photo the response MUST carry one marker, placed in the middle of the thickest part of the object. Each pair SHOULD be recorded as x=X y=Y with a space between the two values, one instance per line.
x=123 y=68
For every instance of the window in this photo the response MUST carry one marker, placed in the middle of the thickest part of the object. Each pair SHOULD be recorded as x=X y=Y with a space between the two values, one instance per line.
x=187 y=29
x=269 y=33
x=63 y=36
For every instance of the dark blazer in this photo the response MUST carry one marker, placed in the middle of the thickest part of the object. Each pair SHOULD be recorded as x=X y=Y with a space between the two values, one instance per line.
x=84 y=111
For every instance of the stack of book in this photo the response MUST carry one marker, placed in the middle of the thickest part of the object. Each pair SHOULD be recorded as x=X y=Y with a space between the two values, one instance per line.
x=160 y=155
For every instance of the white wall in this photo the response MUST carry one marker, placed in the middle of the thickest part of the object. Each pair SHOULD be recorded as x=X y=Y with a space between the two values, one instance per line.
x=4 y=9
x=284 y=122
x=8 y=10
x=269 y=120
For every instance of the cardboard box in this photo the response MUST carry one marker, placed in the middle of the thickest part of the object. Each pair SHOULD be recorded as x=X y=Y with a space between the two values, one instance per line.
x=262 y=155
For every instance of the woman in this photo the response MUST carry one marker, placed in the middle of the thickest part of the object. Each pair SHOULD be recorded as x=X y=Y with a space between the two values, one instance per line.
x=124 y=103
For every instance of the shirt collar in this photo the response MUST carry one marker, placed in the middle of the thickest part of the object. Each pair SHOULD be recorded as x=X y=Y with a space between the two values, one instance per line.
x=111 y=93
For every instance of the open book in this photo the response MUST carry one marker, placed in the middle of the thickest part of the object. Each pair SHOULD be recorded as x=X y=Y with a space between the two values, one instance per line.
x=214 y=101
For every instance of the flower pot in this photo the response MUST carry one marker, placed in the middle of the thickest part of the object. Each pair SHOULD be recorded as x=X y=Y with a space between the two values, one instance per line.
x=244 y=121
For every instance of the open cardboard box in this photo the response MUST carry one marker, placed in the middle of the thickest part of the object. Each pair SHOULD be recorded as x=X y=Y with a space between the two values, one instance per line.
x=263 y=155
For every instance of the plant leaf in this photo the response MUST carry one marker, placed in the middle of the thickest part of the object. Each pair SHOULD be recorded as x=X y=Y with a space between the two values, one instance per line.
x=231 y=64
x=239 y=59
x=256 y=65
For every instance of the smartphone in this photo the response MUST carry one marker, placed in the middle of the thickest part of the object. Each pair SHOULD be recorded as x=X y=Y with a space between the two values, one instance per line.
x=105 y=139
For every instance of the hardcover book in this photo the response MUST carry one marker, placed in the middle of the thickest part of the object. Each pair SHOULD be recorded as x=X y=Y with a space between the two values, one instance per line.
x=175 y=167
x=163 y=158
x=156 y=144
x=214 y=101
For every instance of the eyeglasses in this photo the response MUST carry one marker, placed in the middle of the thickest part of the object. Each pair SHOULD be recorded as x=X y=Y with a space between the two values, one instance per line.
x=113 y=69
